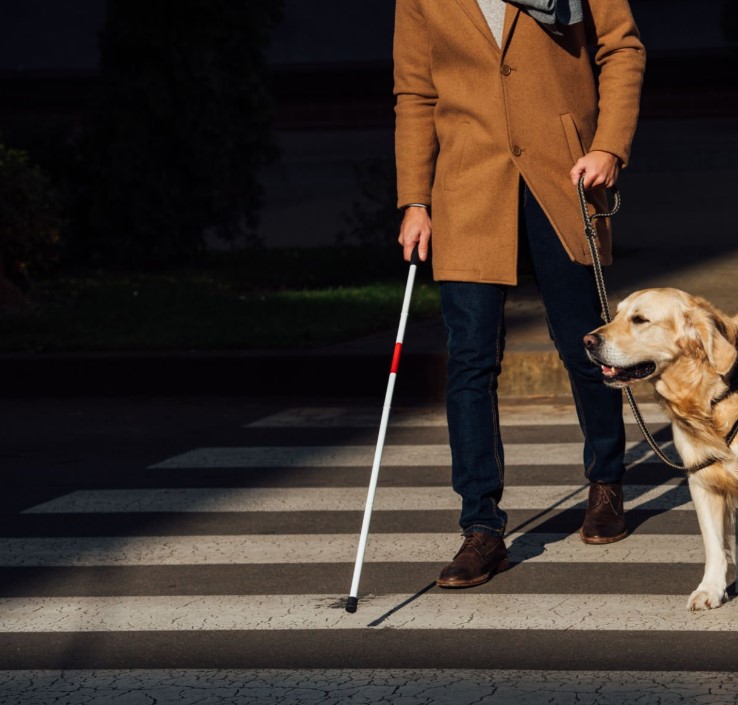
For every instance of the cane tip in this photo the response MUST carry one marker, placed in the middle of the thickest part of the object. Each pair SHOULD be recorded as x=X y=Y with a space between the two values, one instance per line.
x=351 y=604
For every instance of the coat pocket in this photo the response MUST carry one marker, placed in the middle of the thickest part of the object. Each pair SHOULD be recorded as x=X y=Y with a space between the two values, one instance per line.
x=455 y=163
x=573 y=139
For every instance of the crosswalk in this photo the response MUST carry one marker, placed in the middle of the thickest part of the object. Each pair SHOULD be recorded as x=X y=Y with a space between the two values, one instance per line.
x=220 y=575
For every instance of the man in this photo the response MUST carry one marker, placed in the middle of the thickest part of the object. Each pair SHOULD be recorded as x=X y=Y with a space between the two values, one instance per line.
x=499 y=112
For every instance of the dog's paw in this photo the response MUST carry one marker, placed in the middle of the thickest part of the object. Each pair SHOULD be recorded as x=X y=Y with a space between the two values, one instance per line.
x=706 y=598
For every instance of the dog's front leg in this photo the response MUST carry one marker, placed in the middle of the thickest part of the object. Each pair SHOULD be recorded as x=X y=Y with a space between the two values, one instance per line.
x=711 y=514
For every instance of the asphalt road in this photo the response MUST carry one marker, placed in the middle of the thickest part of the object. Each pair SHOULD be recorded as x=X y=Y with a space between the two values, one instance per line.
x=199 y=550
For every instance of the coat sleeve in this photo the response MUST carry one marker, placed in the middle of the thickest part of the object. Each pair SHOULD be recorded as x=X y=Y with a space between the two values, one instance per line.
x=416 y=144
x=621 y=59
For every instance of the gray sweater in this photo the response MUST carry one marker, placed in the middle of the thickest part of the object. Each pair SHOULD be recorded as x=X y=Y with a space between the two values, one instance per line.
x=494 y=13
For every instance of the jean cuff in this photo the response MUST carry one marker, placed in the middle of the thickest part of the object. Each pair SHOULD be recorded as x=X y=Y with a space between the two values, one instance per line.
x=480 y=528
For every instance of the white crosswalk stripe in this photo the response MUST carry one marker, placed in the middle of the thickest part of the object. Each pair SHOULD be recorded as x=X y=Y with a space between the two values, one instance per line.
x=404 y=456
x=331 y=548
x=310 y=619
x=512 y=415
x=346 y=499
x=280 y=612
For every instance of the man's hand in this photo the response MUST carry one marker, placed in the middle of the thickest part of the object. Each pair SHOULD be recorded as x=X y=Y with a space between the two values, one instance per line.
x=415 y=230
x=598 y=169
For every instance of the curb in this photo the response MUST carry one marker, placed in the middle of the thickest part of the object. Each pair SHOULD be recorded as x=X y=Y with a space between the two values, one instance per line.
x=421 y=376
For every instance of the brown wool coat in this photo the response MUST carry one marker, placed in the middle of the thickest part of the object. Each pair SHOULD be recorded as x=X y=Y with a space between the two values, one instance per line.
x=471 y=119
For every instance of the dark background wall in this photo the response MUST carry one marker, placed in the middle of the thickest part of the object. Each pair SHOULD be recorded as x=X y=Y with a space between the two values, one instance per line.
x=42 y=35
x=332 y=81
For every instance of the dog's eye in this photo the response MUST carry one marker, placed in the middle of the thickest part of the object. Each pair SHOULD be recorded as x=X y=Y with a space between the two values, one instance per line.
x=638 y=320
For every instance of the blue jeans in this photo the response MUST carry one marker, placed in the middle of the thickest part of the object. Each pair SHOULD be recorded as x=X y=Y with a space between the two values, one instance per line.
x=474 y=316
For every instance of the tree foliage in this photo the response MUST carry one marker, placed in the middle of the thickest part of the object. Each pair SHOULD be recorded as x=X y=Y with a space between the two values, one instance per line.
x=29 y=218
x=183 y=125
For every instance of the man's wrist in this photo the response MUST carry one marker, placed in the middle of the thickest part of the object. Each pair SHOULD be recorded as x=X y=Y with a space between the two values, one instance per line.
x=618 y=161
x=414 y=205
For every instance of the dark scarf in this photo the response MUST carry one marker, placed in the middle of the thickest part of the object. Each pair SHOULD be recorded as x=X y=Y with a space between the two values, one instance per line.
x=551 y=13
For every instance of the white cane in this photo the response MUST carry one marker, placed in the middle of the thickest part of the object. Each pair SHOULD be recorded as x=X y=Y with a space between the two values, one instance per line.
x=353 y=599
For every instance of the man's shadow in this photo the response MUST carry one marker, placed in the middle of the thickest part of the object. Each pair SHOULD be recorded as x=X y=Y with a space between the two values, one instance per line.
x=560 y=525
x=537 y=532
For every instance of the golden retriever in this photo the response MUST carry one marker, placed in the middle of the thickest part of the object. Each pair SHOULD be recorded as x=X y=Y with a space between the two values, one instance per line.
x=686 y=348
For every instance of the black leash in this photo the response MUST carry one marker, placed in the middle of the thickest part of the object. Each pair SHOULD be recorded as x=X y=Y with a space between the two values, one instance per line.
x=591 y=233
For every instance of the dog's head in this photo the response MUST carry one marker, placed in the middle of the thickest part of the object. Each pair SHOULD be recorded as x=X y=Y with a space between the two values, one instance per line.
x=655 y=327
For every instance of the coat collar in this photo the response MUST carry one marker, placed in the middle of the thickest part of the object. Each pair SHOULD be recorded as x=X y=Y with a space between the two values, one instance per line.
x=475 y=14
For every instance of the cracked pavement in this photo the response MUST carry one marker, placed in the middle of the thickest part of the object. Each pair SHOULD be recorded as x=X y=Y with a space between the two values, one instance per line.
x=366 y=687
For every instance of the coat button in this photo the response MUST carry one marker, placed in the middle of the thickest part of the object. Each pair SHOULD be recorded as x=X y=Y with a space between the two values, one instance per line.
x=506 y=70
x=516 y=150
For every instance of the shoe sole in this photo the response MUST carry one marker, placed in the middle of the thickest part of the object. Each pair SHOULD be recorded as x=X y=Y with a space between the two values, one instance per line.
x=600 y=540
x=477 y=581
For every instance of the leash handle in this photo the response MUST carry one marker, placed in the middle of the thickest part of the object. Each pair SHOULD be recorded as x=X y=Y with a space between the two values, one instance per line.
x=583 y=202
x=591 y=234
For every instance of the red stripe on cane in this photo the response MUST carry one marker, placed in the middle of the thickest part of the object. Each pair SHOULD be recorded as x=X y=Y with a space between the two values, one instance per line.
x=396 y=358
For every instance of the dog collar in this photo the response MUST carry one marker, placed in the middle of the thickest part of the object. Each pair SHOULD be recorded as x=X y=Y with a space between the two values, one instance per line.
x=731 y=380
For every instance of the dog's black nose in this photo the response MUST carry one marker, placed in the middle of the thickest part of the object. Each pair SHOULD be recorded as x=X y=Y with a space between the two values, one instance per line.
x=592 y=341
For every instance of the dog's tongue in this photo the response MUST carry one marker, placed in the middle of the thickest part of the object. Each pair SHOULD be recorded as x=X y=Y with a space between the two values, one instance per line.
x=609 y=371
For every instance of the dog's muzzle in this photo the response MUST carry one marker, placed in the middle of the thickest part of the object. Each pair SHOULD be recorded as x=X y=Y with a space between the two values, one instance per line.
x=616 y=375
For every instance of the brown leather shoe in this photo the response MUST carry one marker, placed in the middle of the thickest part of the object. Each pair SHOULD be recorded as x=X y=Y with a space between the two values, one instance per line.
x=603 y=520
x=479 y=558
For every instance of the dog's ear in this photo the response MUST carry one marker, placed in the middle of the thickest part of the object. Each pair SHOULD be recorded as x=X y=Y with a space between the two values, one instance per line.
x=713 y=336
